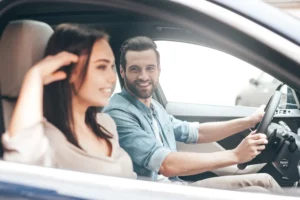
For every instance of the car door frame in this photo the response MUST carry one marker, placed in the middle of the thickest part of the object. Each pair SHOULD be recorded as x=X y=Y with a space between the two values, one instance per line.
x=220 y=27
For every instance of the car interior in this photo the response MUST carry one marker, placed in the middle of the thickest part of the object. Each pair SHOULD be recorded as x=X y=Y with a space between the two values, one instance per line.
x=26 y=28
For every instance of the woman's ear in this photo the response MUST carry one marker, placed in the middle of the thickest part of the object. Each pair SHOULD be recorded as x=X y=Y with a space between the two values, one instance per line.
x=76 y=71
x=74 y=74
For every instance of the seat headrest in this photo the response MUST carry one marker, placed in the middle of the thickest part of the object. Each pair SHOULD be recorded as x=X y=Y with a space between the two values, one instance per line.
x=22 y=44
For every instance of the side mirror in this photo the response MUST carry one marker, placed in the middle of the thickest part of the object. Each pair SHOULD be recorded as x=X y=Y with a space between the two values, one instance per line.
x=253 y=82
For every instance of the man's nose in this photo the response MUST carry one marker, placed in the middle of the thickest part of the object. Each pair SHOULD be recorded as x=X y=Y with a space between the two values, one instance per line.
x=143 y=75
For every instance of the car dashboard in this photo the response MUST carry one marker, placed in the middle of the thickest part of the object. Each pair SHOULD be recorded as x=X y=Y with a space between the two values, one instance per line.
x=291 y=117
x=284 y=147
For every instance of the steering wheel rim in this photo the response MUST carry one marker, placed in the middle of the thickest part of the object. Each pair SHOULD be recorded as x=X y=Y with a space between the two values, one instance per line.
x=266 y=120
x=269 y=113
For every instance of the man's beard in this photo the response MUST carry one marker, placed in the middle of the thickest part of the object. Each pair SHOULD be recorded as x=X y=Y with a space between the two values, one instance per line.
x=138 y=92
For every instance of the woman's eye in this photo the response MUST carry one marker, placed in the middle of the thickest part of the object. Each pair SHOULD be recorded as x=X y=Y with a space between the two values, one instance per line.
x=101 y=67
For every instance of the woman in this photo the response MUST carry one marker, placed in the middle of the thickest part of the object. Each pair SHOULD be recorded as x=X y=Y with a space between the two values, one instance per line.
x=76 y=76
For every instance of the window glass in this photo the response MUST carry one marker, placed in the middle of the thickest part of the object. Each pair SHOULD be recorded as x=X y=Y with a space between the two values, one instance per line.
x=117 y=87
x=198 y=74
x=265 y=78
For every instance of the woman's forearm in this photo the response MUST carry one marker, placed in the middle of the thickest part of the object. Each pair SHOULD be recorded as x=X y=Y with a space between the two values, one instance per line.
x=29 y=106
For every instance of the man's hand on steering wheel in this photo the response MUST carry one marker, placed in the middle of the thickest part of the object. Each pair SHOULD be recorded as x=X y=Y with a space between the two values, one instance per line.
x=257 y=116
x=263 y=126
x=250 y=147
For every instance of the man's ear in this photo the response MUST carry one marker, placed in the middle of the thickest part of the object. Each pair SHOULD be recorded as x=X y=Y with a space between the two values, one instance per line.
x=122 y=71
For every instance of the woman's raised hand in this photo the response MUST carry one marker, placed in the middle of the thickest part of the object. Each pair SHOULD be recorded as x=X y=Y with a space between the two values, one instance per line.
x=49 y=66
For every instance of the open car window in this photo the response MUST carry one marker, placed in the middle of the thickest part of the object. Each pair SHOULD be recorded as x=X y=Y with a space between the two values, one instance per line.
x=211 y=77
x=191 y=73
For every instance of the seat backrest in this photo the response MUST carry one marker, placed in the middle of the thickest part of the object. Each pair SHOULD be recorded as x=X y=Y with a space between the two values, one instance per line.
x=23 y=43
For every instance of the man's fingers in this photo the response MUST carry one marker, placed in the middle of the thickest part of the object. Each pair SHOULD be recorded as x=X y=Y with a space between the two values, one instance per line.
x=258 y=136
x=260 y=142
x=261 y=110
x=262 y=107
x=253 y=132
x=261 y=147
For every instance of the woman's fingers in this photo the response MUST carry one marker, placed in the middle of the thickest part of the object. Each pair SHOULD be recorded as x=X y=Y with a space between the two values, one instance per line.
x=59 y=60
x=66 y=58
x=57 y=76
x=49 y=66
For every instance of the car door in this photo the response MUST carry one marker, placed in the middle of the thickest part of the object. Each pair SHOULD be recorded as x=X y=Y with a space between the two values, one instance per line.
x=209 y=83
x=223 y=74
x=228 y=35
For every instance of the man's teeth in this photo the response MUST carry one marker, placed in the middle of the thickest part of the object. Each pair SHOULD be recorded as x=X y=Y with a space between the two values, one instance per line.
x=144 y=84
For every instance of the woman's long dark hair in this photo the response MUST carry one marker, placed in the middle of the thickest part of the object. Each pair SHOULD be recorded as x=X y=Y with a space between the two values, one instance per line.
x=57 y=99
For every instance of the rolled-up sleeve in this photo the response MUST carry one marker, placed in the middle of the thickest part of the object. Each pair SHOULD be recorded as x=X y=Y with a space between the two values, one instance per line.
x=142 y=146
x=187 y=132
x=28 y=146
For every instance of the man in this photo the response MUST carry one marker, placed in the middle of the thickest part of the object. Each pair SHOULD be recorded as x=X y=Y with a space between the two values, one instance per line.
x=148 y=133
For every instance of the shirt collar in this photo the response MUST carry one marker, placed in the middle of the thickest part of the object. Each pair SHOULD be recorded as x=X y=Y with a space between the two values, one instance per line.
x=132 y=99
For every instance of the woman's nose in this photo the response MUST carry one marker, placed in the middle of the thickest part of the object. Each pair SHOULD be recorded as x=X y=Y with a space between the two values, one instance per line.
x=112 y=76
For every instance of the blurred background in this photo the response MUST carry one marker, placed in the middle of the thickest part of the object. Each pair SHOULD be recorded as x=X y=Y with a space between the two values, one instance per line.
x=210 y=82
x=290 y=6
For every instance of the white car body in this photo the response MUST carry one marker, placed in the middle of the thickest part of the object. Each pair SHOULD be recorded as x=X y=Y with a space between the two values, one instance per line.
x=90 y=186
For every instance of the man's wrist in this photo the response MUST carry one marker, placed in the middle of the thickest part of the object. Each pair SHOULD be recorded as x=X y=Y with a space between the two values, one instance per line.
x=233 y=157
x=251 y=122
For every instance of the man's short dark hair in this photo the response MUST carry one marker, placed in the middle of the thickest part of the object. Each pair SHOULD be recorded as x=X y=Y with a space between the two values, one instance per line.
x=139 y=43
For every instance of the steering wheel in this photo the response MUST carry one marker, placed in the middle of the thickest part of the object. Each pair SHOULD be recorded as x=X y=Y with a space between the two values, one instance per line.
x=263 y=126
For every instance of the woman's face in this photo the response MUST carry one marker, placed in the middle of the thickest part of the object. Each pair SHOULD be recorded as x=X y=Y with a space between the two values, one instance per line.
x=100 y=79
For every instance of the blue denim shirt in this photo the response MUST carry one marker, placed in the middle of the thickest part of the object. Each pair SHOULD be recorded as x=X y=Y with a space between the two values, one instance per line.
x=136 y=134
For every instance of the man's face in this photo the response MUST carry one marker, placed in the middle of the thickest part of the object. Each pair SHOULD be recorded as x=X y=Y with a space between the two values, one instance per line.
x=142 y=73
